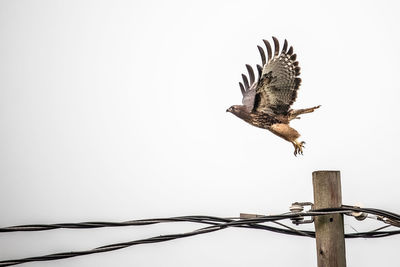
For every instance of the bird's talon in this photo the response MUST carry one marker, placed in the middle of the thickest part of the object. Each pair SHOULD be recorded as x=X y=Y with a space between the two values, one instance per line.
x=298 y=147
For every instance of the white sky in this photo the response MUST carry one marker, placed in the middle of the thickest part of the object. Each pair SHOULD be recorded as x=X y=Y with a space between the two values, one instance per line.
x=115 y=110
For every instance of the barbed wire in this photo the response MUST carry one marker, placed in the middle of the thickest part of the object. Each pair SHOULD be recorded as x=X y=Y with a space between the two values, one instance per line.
x=214 y=224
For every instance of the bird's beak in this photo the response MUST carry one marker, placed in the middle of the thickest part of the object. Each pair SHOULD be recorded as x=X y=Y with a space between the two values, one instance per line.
x=229 y=109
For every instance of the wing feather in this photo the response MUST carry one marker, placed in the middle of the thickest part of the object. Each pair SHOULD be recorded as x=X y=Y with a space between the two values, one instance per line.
x=269 y=50
x=251 y=73
x=284 y=46
x=262 y=54
x=245 y=81
x=290 y=51
x=242 y=88
x=259 y=70
x=276 y=46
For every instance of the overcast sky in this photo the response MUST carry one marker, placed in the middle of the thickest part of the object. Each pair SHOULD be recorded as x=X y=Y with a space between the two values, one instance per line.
x=115 y=110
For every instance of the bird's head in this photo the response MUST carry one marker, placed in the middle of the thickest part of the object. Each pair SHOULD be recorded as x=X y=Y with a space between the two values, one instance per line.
x=230 y=109
x=233 y=109
x=240 y=111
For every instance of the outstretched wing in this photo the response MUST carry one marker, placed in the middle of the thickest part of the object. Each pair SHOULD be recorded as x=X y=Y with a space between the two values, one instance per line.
x=276 y=89
x=248 y=88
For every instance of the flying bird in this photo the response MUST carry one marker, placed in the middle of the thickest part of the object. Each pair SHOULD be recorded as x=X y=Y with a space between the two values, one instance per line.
x=266 y=101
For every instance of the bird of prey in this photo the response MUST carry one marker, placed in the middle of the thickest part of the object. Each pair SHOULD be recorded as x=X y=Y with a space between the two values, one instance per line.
x=266 y=101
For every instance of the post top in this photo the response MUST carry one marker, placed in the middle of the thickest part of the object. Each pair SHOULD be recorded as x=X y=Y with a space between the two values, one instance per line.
x=324 y=171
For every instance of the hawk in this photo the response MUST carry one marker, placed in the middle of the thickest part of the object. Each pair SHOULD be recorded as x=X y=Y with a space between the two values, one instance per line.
x=266 y=102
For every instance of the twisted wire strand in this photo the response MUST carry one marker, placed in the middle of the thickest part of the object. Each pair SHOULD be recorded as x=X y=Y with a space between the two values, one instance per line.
x=214 y=224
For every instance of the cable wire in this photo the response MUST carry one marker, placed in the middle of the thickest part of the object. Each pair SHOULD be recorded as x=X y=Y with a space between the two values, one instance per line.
x=214 y=224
